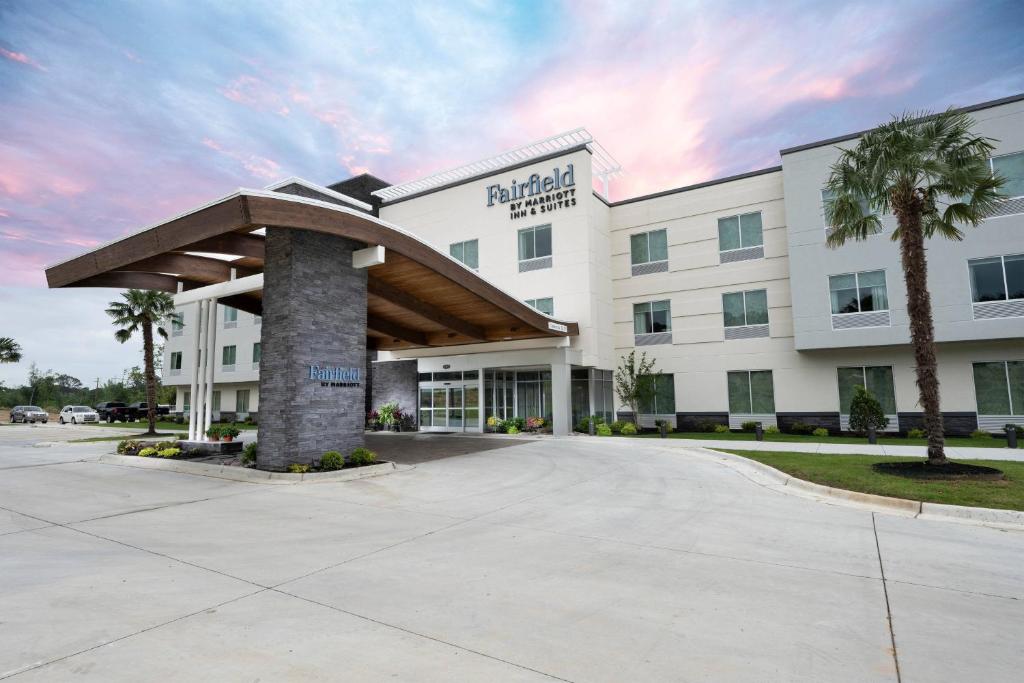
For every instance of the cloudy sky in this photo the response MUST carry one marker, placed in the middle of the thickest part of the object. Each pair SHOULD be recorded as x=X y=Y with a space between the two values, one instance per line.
x=118 y=114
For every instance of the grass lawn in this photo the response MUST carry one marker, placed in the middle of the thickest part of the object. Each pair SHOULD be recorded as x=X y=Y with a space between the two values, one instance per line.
x=854 y=473
x=160 y=425
x=122 y=437
x=951 y=441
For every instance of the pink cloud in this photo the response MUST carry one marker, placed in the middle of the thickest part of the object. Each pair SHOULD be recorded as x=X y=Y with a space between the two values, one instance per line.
x=256 y=93
x=21 y=58
x=260 y=167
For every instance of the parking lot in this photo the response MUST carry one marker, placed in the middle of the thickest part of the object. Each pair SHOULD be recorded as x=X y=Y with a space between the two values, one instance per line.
x=555 y=559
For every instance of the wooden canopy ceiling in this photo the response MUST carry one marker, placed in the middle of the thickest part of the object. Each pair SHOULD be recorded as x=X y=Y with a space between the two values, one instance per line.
x=418 y=297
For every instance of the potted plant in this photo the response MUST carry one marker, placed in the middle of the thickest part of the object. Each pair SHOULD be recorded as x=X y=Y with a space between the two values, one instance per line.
x=213 y=433
x=229 y=432
x=388 y=414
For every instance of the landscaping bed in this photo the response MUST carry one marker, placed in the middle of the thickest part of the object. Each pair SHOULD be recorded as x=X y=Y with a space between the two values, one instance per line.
x=331 y=461
x=858 y=473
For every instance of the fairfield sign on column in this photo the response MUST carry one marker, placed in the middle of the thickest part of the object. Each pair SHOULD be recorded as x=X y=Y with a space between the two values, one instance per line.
x=538 y=195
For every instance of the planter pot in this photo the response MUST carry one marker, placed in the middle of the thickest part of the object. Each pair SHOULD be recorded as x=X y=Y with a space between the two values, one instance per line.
x=229 y=438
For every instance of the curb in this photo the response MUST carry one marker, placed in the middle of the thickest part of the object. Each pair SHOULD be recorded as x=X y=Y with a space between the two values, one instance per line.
x=245 y=474
x=1012 y=519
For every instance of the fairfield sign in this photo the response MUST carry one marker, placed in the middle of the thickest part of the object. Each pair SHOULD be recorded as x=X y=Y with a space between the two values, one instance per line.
x=537 y=195
x=329 y=376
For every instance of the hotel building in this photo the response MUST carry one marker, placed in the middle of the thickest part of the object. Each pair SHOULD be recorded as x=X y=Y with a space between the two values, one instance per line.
x=728 y=285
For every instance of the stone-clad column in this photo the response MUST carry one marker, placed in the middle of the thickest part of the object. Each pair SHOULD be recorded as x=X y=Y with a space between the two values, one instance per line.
x=314 y=314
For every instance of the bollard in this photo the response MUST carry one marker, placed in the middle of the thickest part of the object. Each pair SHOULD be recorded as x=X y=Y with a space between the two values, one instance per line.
x=663 y=428
x=1011 y=436
x=759 y=431
x=591 y=427
x=872 y=436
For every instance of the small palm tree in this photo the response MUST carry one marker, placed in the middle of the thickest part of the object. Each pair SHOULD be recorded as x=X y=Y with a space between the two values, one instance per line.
x=933 y=173
x=141 y=310
x=10 y=350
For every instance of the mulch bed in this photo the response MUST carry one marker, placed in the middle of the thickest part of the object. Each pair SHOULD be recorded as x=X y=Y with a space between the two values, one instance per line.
x=954 y=471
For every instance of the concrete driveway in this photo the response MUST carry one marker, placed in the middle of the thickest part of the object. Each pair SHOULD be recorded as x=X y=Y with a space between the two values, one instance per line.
x=565 y=559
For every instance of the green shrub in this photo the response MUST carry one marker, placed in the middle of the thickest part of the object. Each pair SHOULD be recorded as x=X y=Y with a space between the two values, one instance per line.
x=749 y=426
x=706 y=426
x=771 y=429
x=169 y=452
x=511 y=429
x=332 y=460
x=1017 y=428
x=127 y=447
x=976 y=434
x=866 y=411
x=603 y=430
x=668 y=426
x=362 y=456
x=916 y=434
x=213 y=432
x=617 y=426
x=801 y=428
x=146 y=452
x=249 y=455
x=164 y=445
x=721 y=429
x=230 y=430
x=820 y=432
x=297 y=468
x=628 y=429
x=584 y=424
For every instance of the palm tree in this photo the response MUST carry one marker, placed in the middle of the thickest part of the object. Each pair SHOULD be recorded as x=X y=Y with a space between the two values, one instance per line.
x=10 y=350
x=933 y=173
x=142 y=309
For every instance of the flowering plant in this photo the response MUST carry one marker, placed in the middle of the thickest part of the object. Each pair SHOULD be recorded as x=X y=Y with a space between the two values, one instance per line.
x=534 y=423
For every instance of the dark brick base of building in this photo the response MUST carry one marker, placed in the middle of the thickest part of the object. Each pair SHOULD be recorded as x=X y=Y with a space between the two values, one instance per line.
x=954 y=424
x=829 y=421
x=694 y=422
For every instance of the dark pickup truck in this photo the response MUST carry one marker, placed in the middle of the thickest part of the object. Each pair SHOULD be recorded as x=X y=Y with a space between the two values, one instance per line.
x=139 y=409
x=115 y=411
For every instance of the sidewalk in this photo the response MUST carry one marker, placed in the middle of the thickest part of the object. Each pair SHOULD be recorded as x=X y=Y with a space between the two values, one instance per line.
x=958 y=453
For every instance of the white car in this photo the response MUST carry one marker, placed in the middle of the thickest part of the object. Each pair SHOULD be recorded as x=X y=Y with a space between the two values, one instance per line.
x=77 y=415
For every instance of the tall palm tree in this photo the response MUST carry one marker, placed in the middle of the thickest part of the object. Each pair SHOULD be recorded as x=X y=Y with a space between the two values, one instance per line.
x=10 y=350
x=933 y=174
x=142 y=309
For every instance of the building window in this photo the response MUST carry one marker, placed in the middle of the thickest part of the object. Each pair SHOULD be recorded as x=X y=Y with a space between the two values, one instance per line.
x=242 y=401
x=877 y=380
x=468 y=252
x=535 y=243
x=1010 y=167
x=740 y=232
x=999 y=278
x=230 y=317
x=745 y=308
x=663 y=399
x=545 y=305
x=186 y=403
x=175 y=363
x=215 y=402
x=652 y=317
x=257 y=353
x=227 y=358
x=826 y=198
x=177 y=324
x=858 y=292
x=999 y=388
x=751 y=392
x=648 y=247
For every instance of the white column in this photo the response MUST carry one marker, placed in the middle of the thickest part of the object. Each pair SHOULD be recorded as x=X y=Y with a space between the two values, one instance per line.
x=203 y=358
x=211 y=360
x=561 y=398
x=198 y=333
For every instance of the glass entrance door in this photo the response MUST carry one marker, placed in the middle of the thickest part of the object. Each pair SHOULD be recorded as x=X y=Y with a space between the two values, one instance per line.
x=455 y=420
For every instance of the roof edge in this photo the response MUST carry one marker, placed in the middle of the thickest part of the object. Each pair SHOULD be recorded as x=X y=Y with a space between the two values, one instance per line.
x=295 y=180
x=853 y=136
x=697 y=186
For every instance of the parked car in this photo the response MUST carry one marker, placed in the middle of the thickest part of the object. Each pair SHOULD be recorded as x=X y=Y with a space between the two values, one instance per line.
x=140 y=409
x=77 y=415
x=31 y=414
x=114 y=411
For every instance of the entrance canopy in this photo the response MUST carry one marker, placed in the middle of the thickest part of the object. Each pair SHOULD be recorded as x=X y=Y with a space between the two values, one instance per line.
x=417 y=297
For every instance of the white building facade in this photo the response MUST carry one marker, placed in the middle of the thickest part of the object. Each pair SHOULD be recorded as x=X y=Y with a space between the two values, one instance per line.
x=727 y=285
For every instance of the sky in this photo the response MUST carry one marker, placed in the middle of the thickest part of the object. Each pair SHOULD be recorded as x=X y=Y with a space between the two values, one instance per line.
x=119 y=114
